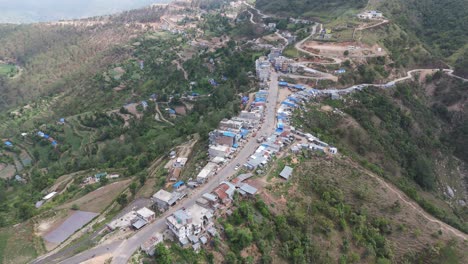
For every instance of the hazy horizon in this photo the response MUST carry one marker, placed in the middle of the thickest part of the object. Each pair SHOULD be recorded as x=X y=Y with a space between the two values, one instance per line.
x=30 y=11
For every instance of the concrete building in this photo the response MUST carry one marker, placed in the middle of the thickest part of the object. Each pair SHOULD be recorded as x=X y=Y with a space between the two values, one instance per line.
x=219 y=151
x=208 y=171
x=262 y=68
x=372 y=14
x=180 y=162
x=150 y=245
x=146 y=214
x=190 y=222
x=164 y=199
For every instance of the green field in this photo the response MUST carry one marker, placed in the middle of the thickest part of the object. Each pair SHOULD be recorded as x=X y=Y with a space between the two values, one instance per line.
x=18 y=244
x=8 y=70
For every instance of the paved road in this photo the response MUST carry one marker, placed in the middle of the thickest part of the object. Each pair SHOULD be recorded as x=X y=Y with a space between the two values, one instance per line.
x=123 y=250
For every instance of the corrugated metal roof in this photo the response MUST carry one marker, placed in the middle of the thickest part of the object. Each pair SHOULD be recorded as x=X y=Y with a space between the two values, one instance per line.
x=286 y=172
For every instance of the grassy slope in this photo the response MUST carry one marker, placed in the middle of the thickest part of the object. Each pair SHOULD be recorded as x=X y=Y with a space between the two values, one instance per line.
x=18 y=244
x=406 y=137
x=322 y=9
x=322 y=216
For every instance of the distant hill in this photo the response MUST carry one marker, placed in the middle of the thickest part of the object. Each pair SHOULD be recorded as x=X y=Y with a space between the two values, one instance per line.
x=30 y=11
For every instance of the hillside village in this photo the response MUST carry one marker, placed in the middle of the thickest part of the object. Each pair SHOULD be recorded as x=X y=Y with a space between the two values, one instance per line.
x=186 y=194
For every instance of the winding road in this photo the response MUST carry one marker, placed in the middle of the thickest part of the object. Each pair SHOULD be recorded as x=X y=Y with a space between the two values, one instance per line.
x=122 y=250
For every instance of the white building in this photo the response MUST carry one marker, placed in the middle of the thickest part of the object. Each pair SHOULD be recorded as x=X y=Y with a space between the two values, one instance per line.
x=370 y=15
x=262 y=67
x=146 y=214
x=219 y=151
x=164 y=199
x=208 y=171
x=189 y=222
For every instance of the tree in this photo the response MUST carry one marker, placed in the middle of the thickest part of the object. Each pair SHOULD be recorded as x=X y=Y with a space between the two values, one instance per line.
x=346 y=52
x=103 y=181
x=142 y=179
x=133 y=188
x=122 y=199
x=25 y=211
x=162 y=254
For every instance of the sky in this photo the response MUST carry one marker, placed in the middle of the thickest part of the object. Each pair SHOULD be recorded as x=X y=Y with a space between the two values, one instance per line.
x=29 y=11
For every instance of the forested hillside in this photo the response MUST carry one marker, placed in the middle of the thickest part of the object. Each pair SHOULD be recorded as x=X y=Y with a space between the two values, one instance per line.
x=309 y=8
x=55 y=57
x=441 y=25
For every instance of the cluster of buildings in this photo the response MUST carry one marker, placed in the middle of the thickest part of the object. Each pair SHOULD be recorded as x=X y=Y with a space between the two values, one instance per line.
x=195 y=225
x=45 y=136
x=134 y=219
x=283 y=135
x=372 y=14
x=98 y=176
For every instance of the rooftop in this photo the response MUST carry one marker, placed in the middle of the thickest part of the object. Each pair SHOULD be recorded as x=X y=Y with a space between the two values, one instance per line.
x=145 y=212
x=163 y=195
x=248 y=188
x=286 y=172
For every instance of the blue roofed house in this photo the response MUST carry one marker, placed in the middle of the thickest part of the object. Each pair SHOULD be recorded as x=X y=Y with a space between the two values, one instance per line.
x=8 y=144
x=144 y=104
x=288 y=103
x=299 y=87
x=178 y=184
x=99 y=176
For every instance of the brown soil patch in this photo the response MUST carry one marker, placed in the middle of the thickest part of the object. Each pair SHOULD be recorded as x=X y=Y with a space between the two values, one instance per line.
x=326 y=108
x=355 y=49
x=180 y=110
x=7 y=172
x=253 y=251
x=99 y=199
x=131 y=108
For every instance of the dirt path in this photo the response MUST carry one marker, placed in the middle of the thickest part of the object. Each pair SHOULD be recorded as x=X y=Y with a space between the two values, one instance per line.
x=299 y=44
x=161 y=116
x=367 y=26
x=179 y=67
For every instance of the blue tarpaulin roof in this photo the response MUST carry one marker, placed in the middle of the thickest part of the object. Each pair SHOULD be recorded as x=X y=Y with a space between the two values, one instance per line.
x=298 y=86
x=172 y=111
x=178 y=184
x=235 y=145
x=62 y=120
x=279 y=130
x=8 y=144
x=294 y=99
x=229 y=134
x=288 y=103
x=54 y=143
x=283 y=84
x=46 y=136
